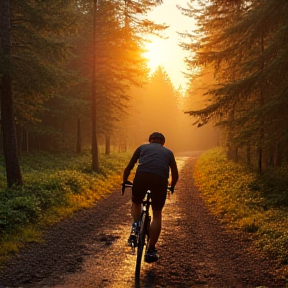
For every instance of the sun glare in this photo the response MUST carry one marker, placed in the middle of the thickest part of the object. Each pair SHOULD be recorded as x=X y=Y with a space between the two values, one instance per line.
x=155 y=54
x=160 y=52
x=167 y=52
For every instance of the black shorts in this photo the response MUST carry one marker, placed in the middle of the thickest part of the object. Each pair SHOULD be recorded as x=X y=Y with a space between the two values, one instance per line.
x=156 y=184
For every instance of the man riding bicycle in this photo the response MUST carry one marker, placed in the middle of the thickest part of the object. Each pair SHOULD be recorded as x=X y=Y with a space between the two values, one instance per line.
x=152 y=174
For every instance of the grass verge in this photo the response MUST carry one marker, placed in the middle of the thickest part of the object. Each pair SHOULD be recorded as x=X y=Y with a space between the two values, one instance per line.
x=256 y=204
x=55 y=186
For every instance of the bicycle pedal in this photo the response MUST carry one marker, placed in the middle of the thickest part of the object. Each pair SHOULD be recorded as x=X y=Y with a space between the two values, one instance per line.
x=132 y=241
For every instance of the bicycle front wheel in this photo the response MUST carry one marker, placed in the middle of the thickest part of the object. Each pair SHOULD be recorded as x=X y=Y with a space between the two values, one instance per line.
x=141 y=243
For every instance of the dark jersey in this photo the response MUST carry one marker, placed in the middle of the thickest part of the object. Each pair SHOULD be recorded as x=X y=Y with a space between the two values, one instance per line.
x=153 y=158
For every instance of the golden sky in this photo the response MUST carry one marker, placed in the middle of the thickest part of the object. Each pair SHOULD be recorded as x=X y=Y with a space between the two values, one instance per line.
x=166 y=52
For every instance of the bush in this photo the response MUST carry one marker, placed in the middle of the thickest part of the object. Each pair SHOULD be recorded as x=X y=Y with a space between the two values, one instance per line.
x=273 y=185
x=54 y=187
x=255 y=203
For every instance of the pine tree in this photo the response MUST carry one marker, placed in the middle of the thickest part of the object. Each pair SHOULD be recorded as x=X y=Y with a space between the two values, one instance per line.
x=119 y=61
x=245 y=53
x=13 y=172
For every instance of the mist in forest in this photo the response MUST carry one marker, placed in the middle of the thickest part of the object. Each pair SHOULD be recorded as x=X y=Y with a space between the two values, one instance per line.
x=158 y=107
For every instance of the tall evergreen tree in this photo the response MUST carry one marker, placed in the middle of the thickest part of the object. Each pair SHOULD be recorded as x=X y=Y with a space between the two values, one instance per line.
x=159 y=109
x=244 y=41
x=119 y=61
x=34 y=49
x=7 y=108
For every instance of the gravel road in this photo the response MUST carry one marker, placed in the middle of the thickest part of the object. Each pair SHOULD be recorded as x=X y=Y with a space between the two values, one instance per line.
x=90 y=249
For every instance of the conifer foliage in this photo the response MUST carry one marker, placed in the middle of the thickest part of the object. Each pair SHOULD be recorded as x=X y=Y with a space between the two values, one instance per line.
x=51 y=54
x=33 y=50
x=246 y=44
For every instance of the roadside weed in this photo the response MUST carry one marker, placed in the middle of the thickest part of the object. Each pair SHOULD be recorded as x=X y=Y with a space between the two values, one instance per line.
x=244 y=200
x=54 y=188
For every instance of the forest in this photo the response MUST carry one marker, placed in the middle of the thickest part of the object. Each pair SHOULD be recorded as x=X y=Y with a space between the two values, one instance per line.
x=242 y=46
x=77 y=96
x=73 y=77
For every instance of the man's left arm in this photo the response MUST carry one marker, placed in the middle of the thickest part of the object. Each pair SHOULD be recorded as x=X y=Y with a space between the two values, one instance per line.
x=130 y=165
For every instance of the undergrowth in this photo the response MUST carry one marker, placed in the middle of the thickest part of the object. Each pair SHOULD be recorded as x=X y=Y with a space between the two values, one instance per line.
x=257 y=204
x=55 y=186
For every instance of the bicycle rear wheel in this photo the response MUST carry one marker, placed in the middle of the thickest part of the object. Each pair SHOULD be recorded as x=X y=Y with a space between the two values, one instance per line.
x=141 y=243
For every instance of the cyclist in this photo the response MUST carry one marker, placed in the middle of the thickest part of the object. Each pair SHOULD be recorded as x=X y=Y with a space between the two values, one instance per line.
x=152 y=174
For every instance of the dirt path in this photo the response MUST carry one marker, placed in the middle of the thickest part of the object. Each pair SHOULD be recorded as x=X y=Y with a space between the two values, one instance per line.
x=90 y=249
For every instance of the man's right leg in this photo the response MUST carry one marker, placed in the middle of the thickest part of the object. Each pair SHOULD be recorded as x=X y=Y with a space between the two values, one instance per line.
x=159 y=193
x=155 y=228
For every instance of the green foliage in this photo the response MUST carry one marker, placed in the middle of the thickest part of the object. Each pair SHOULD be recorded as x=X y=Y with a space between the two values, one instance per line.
x=38 y=63
x=55 y=186
x=273 y=185
x=244 y=200
x=244 y=43
x=17 y=210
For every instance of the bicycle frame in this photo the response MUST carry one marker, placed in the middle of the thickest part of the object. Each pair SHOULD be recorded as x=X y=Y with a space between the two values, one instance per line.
x=143 y=234
x=142 y=229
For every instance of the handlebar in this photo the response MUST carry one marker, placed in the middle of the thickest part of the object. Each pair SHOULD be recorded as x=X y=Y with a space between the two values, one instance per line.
x=130 y=184
x=125 y=185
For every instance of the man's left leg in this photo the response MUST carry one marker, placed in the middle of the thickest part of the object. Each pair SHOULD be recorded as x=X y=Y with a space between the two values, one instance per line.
x=155 y=229
x=135 y=211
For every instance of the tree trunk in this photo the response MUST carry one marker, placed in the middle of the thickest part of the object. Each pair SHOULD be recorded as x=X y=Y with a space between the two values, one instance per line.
x=232 y=153
x=79 y=138
x=262 y=124
x=24 y=141
x=248 y=155
x=277 y=156
x=122 y=146
x=95 y=160
x=260 y=159
x=13 y=173
x=107 y=145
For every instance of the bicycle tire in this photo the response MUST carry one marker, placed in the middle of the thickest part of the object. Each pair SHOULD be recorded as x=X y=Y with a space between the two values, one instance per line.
x=141 y=243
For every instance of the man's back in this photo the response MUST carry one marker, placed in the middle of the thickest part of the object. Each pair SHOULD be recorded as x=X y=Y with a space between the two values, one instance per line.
x=155 y=158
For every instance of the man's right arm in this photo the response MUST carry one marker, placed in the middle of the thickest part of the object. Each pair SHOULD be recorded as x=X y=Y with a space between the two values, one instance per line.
x=174 y=171
x=126 y=173
x=174 y=174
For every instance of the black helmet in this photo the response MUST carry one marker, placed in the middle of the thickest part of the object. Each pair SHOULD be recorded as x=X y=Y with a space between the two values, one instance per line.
x=157 y=135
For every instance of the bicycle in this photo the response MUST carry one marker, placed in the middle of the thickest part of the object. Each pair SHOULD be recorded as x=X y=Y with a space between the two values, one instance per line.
x=141 y=238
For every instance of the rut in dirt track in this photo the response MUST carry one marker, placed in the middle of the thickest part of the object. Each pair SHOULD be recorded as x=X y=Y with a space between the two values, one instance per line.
x=200 y=250
x=65 y=245
x=195 y=249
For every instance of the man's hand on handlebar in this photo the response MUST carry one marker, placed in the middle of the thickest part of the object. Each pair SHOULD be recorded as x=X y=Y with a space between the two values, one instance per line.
x=130 y=184
x=126 y=184
x=171 y=189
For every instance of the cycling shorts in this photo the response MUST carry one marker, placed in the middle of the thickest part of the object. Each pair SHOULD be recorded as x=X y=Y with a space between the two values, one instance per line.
x=148 y=181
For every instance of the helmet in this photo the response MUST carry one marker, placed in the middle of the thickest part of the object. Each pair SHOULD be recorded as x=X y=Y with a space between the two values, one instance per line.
x=157 y=135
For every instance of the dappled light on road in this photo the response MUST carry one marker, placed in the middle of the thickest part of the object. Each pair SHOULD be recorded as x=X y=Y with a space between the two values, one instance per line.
x=194 y=249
